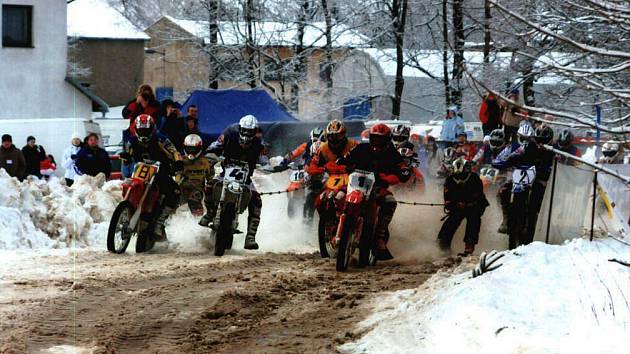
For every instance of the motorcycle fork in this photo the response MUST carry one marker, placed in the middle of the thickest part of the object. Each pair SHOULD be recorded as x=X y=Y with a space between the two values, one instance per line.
x=136 y=215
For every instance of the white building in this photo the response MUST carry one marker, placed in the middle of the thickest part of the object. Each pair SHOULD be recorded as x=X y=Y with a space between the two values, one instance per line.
x=36 y=96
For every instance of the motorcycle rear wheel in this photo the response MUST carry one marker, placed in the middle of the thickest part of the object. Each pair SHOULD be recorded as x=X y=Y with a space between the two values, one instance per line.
x=145 y=241
x=225 y=232
x=345 y=246
x=118 y=235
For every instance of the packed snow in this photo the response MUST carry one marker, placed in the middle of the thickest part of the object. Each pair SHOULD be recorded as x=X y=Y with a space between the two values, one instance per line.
x=544 y=299
x=98 y=19
x=39 y=214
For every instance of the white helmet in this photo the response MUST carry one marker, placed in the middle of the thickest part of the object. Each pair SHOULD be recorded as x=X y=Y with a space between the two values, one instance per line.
x=525 y=132
x=610 y=149
x=247 y=129
x=193 y=146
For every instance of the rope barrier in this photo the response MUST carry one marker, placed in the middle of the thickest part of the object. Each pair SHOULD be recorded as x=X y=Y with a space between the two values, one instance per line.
x=421 y=203
x=281 y=192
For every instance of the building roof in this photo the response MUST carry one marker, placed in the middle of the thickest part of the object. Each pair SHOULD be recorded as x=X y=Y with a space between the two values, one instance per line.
x=268 y=33
x=98 y=19
x=97 y=101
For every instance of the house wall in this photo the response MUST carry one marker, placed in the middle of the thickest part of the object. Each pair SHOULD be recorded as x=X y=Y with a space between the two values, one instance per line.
x=116 y=67
x=32 y=79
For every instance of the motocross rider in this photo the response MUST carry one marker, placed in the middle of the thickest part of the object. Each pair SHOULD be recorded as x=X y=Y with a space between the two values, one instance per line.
x=565 y=144
x=380 y=156
x=613 y=153
x=463 y=199
x=198 y=172
x=313 y=184
x=501 y=162
x=240 y=143
x=406 y=149
x=337 y=145
x=148 y=144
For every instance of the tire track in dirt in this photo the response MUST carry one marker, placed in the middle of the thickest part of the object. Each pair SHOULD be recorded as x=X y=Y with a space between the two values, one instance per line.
x=193 y=303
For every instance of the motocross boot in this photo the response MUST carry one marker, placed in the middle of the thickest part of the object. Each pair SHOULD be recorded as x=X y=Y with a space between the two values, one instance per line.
x=209 y=216
x=253 y=220
x=468 y=250
x=159 y=230
x=503 y=229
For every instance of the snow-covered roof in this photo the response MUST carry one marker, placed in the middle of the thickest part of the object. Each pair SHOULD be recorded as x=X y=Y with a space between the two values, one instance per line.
x=431 y=62
x=270 y=33
x=98 y=19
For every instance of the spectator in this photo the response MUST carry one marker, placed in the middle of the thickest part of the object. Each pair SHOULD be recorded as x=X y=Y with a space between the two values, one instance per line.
x=91 y=159
x=11 y=158
x=192 y=112
x=465 y=148
x=490 y=114
x=69 y=157
x=510 y=119
x=144 y=103
x=192 y=127
x=173 y=125
x=452 y=125
x=33 y=154
x=48 y=167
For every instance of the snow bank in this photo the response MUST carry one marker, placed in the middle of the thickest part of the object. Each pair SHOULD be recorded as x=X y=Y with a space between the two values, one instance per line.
x=545 y=299
x=39 y=214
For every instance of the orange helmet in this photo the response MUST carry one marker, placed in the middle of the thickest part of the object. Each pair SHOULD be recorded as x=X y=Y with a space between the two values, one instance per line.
x=336 y=134
x=145 y=127
x=380 y=136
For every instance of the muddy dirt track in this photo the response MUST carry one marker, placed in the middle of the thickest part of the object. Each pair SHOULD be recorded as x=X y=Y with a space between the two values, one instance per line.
x=194 y=303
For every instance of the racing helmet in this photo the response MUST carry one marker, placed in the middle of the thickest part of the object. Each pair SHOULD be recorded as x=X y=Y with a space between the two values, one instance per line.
x=193 y=146
x=449 y=154
x=380 y=136
x=461 y=165
x=336 y=135
x=316 y=134
x=525 y=133
x=543 y=134
x=497 y=139
x=565 y=139
x=610 y=149
x=145 y=127
x=400 y=134
x=247 y=129
x=407 y=155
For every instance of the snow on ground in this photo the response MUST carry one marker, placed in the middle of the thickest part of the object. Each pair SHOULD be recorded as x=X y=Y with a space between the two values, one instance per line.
x=544 y=299
x=39 y=214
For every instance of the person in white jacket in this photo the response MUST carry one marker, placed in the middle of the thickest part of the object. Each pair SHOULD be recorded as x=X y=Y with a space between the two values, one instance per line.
x=69 y=155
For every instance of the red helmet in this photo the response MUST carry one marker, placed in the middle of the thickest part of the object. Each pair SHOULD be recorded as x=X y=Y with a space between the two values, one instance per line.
x=380 y=136
x=145 y=127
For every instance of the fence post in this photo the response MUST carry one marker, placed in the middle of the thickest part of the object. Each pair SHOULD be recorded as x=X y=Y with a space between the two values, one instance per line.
x=553 y=190
x=594 y=198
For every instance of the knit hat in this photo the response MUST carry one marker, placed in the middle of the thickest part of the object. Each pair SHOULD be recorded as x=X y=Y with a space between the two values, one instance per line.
x=7 y=137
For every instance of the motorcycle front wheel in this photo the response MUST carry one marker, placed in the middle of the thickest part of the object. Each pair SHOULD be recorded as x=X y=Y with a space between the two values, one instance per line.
x=225 y=232
x=118 y=234
x=367 y=247
x=344 y=248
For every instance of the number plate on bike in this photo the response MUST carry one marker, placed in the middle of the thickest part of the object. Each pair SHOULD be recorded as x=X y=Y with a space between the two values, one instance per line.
x=235 y=174
x=297 y=176
x=335 y=182
x=523 y=178
x=144 y=172
x=362 y=181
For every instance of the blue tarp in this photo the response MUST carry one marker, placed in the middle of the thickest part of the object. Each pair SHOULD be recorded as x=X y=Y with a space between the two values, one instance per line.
x=220 y=108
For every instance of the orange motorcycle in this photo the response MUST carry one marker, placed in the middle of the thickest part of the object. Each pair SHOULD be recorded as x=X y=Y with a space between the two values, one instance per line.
x=329 y=204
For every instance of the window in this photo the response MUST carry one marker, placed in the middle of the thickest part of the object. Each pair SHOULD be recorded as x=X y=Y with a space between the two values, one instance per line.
x=17 y=26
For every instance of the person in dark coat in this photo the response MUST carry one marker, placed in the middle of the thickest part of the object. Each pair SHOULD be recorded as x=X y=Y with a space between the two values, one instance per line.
x=173 y=125
x=192 y=127
x=11 y=158
x=92 y=159
x=33 y=154
x=463 y=199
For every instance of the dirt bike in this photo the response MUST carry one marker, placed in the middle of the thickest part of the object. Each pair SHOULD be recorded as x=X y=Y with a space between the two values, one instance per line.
x=357 y=222
x=518 y=220
x=135 y=214
x=295 y=195
x=231 y=194
x=329 y=207
x=491 y=176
